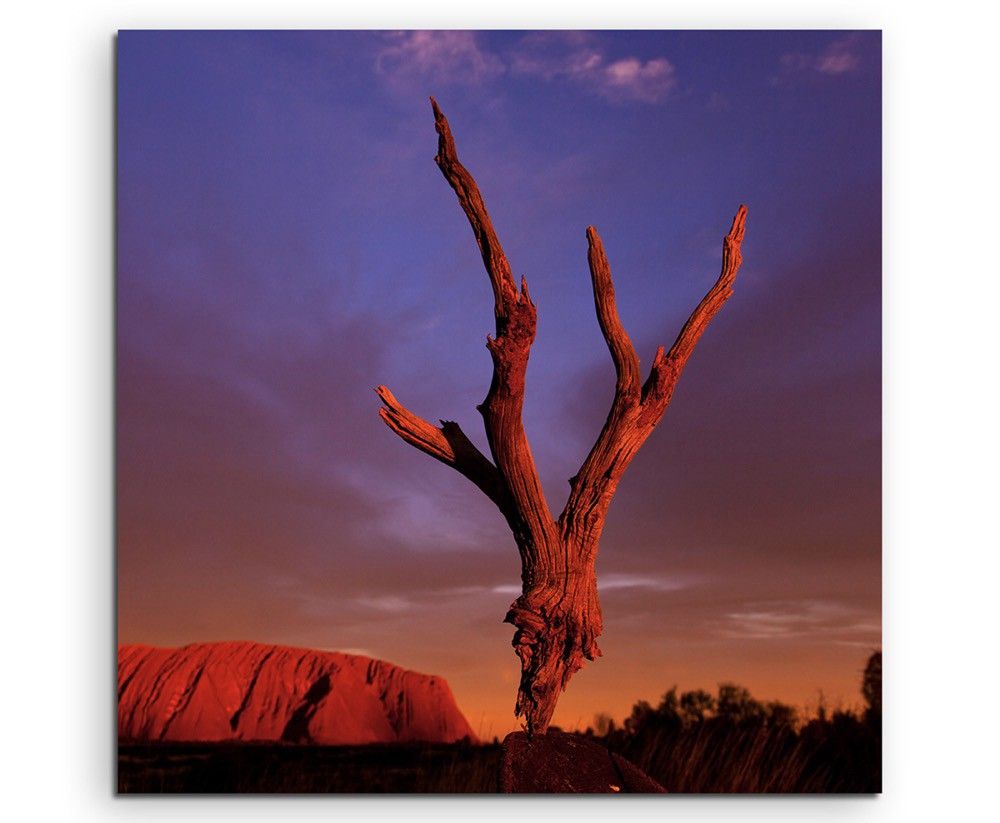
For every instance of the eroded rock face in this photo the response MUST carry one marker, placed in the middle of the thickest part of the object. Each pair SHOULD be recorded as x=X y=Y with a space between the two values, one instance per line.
x=253 y=691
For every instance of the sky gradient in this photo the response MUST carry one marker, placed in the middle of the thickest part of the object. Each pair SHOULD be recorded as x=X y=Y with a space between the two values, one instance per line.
x=286 y=243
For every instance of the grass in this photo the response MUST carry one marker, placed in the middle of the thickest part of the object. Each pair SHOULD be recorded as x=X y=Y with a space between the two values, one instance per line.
x=831 y=756
x=268 y=768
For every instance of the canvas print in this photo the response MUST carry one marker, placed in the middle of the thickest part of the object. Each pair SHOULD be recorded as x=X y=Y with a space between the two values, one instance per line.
x=499 y=412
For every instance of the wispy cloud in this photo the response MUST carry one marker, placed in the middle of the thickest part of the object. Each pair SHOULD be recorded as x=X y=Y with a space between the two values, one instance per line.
x=842 y=56
x=577 y=58
x=837 y=622
x=444 y=57
x=613 y=581
x=387 y=603
x=658 y=583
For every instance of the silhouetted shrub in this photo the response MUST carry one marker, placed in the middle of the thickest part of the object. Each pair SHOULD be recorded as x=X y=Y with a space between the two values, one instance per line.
x=697 y=705
x=871 y=689
x=697 y=743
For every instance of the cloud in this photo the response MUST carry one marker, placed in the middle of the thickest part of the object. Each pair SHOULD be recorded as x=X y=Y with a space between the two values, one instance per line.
x=648 y=82
x=840 y=57
x=837 y=622
x=387 y=603
x=614 y=580
x=577 y=57
x=453 y=57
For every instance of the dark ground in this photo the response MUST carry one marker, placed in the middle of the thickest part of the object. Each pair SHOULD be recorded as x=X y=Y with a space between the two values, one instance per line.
x=269 y=768
x=835 y=757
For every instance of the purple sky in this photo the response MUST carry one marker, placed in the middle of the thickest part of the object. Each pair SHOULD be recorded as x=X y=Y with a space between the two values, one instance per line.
x=286 y=243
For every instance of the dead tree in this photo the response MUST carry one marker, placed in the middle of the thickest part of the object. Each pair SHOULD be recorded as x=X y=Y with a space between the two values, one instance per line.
x=557 y=617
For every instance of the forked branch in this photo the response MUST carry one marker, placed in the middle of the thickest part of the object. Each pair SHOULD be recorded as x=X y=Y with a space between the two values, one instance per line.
x=515 y=332
x=447 y=443
x=558 y=614
x=634 y=410
x=620 y=345
x=667 y=367
x=469 y=197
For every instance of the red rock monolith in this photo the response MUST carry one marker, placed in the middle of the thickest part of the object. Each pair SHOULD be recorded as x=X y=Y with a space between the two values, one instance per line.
x=241 y=691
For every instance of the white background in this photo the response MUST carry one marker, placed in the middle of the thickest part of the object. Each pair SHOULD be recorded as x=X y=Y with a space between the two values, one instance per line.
x=940 y=406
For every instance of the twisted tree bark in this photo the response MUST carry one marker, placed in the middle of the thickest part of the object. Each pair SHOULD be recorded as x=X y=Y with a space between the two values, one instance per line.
x=557 y=616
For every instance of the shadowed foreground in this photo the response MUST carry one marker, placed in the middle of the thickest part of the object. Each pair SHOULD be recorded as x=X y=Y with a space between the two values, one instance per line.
x=266 y=768
x=557 y=763
x=838 y=755
x=691 y=743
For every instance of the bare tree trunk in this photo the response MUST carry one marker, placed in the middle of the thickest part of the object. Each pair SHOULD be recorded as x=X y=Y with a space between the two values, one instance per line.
x=558 y=615
x=558 y=620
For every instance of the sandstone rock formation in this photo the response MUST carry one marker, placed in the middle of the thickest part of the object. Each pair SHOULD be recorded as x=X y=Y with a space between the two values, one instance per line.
x=256 y=692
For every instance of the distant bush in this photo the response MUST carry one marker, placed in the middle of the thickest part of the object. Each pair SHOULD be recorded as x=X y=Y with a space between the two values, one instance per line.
x=730 y=742
x=871 y=688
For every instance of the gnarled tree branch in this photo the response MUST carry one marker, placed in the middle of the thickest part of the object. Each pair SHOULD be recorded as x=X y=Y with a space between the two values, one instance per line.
x=667 y=367
x=504 y=288
x=557 y=615
x=446 y=443
x=592 y=487
x=634 y=412
x=515 y=332
x=619 y=344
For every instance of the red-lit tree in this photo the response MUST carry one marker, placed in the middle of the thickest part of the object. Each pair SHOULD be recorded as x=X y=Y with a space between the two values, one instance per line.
x=557 y=616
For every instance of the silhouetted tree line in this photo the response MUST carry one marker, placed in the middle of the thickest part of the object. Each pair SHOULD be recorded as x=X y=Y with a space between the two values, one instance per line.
x=730 y=742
